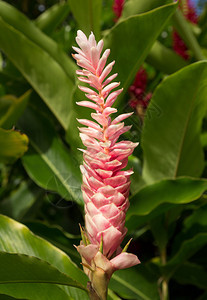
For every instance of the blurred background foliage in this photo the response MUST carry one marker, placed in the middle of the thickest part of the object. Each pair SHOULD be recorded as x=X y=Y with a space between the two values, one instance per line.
x=160 y=48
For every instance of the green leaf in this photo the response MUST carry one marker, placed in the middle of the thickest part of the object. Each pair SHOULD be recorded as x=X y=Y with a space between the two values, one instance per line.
x=55 y=81
x=13 y=109
x=58 y=237
x=17 y=238
x=195 y=223
x=58 y=169
x=193 y=274
x=134 y=7
x=165 y=59
x=88 y=15
x=171 y=133
x=49 y=20
x=34 y=291
x=188 y=249
x=5 y=297
x=178 y=191
x=198 y=218
x=142 y=30
x=19 y=202
x=13 y=145
x=21 y=268
x=153 y=200
x=136 y=283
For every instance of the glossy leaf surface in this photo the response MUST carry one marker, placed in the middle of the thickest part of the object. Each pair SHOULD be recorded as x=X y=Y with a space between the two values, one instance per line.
x=148 y=27
x=16 y=237
x=171 y=138
x=153 y=200
x=30 y=42
x=21 y=268
x=136 y=283
x=89 y=16
x=57 y=170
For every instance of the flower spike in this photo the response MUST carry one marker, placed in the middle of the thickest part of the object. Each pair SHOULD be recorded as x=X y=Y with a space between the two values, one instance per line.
x=105 y=185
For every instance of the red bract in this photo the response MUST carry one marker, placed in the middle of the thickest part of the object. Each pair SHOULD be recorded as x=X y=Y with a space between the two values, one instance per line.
x=138 y=90
x=178 y=44
x=105 y=185
x=118 y=8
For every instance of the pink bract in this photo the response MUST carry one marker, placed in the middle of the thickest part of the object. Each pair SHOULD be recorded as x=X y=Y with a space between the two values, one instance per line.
x=105 y=185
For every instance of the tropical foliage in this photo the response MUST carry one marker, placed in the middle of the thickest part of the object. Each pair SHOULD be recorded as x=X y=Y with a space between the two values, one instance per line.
x=160 y=51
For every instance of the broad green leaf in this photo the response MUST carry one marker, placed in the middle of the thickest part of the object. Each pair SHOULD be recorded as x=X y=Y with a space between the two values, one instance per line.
x=165 y=59
x=20 y=201
x=13 y=145
x=188 y=249
x=195 y=223
x=17 y=238
x=134 y=7
x=136 y=283
x=13 y=109
x=58 y=237
x=153 y=200
x=5 y=297
x=21 y=268
x=49 y=20
x=136 y=180
x=33 y=291
x=171 y=139
x=193 y=274
x=53 y=76
x=141 y=30
x=198 y=218
x=204 y=139
x=58 y=169
x=88 y=15
x=178 y=191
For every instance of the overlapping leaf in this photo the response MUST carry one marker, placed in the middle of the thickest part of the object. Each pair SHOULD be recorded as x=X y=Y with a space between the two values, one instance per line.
x=88 y=15
x=53 y=76
x=16 y=238
x=137 y=283
x=153 y=200
x=58 y=169
x=171 y=134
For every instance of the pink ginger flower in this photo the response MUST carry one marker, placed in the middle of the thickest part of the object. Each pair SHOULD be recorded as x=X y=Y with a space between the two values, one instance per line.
x=105 y=185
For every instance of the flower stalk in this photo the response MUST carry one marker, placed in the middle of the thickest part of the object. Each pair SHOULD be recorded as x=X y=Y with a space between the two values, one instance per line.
x=105 y=184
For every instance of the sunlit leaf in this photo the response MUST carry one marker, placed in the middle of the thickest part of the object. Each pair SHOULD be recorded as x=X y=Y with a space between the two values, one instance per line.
x=16 y=238
x=171 y=134
x=13 y=145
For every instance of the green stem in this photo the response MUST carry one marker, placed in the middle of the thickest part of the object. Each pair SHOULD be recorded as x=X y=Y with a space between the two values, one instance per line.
x=187 y=35
x=164 y=284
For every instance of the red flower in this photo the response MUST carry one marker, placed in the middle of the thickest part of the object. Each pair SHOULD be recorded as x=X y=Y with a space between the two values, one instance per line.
x=138 y=90
x=178 y=44
x=118 y=8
